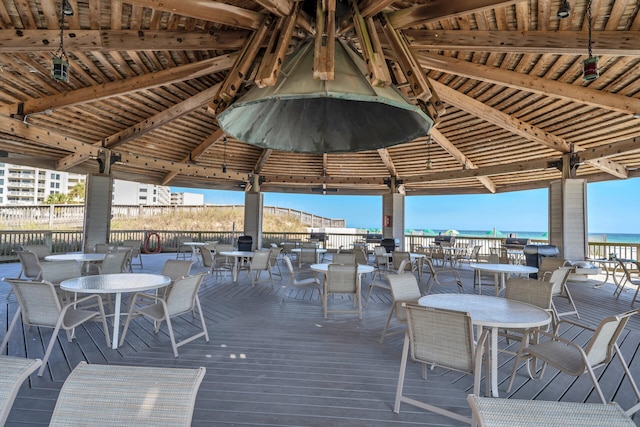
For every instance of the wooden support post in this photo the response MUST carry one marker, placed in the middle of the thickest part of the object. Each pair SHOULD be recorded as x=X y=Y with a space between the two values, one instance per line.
x=371 y=48
x=240 y=69
x=323 y=60
x=424 y=95
x=277 y=48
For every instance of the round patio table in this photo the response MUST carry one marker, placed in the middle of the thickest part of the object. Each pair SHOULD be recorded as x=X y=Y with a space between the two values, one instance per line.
x=83 y=259
x=237 y=256
x=501 y=271
x=493 y=313
x=115 y=284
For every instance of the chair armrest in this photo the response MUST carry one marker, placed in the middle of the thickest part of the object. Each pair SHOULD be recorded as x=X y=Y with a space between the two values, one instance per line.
x=574 y=323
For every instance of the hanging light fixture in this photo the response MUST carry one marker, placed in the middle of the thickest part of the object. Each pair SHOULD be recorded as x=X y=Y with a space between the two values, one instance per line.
x=429 y=165
x=224 y=155
x=590 y=65
x=564 y=9
x=60 y=63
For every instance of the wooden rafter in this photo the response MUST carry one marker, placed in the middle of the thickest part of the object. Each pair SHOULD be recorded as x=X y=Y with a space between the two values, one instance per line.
x=325 y=40
x=147 y=125
x=388 y=162
x=122 y=87
x=281 y=33
x=213 y=11
x=442 y=9
x=264 y=158
x=371 y=48
x=197 y=152
x=461 y=158
x=623 y=43
x=547 y=87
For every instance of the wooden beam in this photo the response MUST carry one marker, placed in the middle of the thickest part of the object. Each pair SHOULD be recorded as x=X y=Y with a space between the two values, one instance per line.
x=48 y=138
x=122 y=87
x=213 y=11
x=448 y=146
x=325 y=40
x=371 y=48
x=388 y=162
x=120 y=40
x=279 y=8
x=610 y=167
x=240 y=69
x=370 y=8
x=277 y=48
x=197 y=152
x=149 y=124
x=264 y=157
x=438 y=10
x=498 y=118
x=542 y=86
x=615 y=43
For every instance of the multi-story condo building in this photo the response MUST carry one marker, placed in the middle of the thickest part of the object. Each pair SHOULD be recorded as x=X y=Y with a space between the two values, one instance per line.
x=24 y=185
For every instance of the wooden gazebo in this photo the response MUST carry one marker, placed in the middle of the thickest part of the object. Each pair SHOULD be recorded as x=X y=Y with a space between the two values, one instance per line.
x=146 y=80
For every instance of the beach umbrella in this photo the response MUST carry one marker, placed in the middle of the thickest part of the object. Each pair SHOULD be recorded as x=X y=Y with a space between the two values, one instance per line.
x=428 y=231
x=494 y=232
x=451 y=232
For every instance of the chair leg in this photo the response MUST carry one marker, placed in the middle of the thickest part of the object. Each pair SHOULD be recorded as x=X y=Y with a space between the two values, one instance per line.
x=52 y=341
x=9 y=330
x=386 y=325
x=204 y=325
x=403 y=368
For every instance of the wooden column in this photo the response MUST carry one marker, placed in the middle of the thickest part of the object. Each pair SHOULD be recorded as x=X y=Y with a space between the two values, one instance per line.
x=393 y=218
x=97 y=211
x=568 y=226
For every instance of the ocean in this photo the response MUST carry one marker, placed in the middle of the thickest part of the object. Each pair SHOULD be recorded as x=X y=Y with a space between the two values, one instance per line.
x=538 y=235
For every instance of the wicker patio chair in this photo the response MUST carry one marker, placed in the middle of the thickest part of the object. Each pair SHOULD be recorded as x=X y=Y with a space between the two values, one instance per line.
x=38 y=305
x=627 y=279
x=442 y=276
x=570 y=358
x=342 y=279
x=13 y=372
x=404 y=289
x=298 y=283
x=441 y=338
x=259 y=263
x=494 y=412
x=116 y=395
x=182 y=298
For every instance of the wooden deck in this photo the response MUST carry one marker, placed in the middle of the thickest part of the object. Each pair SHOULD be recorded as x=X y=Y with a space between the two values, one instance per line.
x=284 y=365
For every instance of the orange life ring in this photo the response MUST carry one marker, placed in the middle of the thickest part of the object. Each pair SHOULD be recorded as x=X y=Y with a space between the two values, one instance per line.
x=145 y=247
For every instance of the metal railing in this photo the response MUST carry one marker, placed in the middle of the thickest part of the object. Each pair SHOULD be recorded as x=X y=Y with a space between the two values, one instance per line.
x=71 y=241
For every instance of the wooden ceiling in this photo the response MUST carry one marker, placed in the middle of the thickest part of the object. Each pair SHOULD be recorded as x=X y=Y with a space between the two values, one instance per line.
x=144 y=74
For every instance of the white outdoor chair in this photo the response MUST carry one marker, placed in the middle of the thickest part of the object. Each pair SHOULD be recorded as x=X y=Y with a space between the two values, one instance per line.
x=559 y=278
x=298 y=283
x=115 y=395
x=114 y=262
x=307 y=256
x=404 y=289
x=41 y=251
x=259 y=263
x=442 y=276
x=342 y=279
x=441 y=338
x=628 y=280
x=343 y=258
x=55 y=272
x=274 y=256
x=30 y=265
x=572 y=359
x=38 y=304
x=13 y=372
x=135 y=252
x=182 y=298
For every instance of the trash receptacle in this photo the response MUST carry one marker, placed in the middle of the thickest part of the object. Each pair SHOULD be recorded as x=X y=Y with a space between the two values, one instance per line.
x=534 y=253
x=388 y=244
x=245 y=243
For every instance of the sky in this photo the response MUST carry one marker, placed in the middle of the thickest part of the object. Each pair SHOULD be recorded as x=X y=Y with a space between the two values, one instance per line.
x=613 y=207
